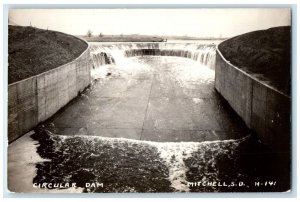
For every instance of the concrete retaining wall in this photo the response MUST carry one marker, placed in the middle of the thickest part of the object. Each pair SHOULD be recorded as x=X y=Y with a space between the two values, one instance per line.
x=264 y=109
x=37 y=98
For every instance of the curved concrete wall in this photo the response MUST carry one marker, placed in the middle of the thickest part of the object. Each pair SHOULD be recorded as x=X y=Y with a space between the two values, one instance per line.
x=37 y=98
x=203 y=59
x=263 y=108
x=202 y=53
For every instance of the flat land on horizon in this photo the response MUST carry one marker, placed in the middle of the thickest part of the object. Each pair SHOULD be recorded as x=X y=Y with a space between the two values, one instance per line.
x=139 y=38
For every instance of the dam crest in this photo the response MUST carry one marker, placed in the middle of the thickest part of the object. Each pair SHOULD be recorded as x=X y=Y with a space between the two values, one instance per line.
x=103 y=54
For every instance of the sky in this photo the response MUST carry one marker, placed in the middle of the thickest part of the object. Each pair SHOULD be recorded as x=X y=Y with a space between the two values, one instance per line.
x=199 y=22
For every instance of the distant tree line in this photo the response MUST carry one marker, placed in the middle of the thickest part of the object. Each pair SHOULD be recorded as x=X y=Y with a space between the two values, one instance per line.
x=90 y=34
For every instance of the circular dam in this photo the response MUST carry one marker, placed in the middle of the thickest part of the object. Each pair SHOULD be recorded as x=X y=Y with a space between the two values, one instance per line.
x=150 y=121
x=152 y=91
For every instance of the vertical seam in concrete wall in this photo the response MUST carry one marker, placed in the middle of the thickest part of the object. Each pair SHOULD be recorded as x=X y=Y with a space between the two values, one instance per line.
x=223 y=76
x=17 y=117
x=45 y=115
x=251 y=99
x=265 y=115
x=46 y=100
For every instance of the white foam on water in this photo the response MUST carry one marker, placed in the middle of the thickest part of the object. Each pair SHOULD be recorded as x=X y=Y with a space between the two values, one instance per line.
x=124 y=68
x=173 y=155
x=101 y=72
x=192 y=73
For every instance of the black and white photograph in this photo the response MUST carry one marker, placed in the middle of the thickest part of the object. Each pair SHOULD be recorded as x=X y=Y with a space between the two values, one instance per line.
x=149 y=100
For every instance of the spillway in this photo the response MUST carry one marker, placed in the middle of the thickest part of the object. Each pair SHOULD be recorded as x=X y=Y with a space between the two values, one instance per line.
x=103 y=54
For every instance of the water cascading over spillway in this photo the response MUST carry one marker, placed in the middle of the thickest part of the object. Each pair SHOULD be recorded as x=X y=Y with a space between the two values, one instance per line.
x=116 y=53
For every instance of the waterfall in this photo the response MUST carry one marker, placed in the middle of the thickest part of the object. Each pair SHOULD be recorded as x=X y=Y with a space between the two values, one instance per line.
x=118 y=53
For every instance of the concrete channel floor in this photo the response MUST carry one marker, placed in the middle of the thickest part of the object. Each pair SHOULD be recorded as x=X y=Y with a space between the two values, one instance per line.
x=165 y=99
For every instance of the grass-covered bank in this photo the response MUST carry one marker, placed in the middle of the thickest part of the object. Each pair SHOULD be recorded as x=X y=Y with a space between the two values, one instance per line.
x=265 y=53
x=33 y=51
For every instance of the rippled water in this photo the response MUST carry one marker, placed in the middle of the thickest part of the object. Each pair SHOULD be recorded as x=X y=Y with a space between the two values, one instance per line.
x=124 y=165
x=129 y=165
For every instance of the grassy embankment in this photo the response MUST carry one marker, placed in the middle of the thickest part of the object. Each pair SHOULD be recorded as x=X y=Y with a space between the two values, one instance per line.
x=265 y=53
x=33 y=51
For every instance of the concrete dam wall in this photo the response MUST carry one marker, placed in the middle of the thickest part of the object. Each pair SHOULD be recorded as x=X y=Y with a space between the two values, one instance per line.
x=37 y=98
x=263 y=108
x=109 y=53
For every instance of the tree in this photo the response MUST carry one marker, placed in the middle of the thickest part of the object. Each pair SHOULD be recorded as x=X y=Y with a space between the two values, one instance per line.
x=100 y=35
x=89 y=33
